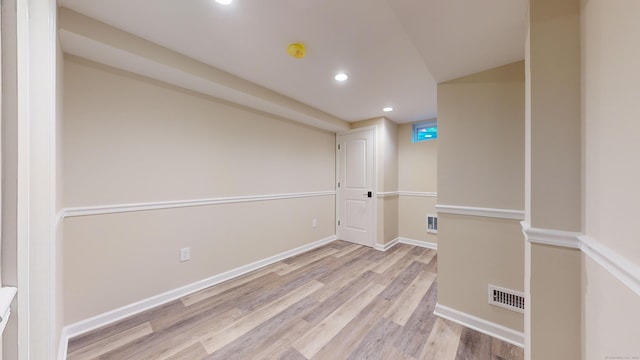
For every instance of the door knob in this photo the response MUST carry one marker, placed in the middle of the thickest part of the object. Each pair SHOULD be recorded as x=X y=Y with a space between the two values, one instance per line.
x=368 y=194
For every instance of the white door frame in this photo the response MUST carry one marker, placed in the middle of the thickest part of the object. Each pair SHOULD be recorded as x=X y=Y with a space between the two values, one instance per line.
x=374 y=221
x=36 y=22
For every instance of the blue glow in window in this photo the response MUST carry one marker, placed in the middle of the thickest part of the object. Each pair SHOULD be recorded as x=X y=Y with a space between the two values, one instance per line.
x=425 y=131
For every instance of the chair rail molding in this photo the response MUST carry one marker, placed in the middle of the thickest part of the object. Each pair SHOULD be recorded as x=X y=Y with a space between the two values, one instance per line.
x=613 y=262
x=121 y=208
x=480 y=211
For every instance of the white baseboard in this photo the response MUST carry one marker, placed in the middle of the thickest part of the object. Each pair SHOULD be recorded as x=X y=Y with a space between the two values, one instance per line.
x=387 y=246
x=112 y=316
x=424 y=244
x=486 y=327
x=401 y=240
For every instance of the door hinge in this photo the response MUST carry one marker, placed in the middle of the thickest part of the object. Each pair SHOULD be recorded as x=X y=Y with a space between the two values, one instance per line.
x=338 y=184
x=338 y=222
x=338 y=146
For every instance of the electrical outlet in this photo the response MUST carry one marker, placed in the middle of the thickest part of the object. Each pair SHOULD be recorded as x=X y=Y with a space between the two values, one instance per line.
x=185 y=254
x=314 y=223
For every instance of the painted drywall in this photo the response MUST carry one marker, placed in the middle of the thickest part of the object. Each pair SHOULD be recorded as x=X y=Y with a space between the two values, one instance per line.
x=118 y=259
x=486 y=251
x=417 y=172
x=555 y=109
x=412 y=217
x=611 y=85
x=481 y=139
x=610 y=315
x=610 y=89
x=481 y=164
x=554 y=184
x=556 y=315
x=128 y=139
x=390 y=141
x=417 y=162
x=191 y=148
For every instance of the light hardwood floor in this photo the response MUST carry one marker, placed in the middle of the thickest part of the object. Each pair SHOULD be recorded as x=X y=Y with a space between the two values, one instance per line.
x=339 y=301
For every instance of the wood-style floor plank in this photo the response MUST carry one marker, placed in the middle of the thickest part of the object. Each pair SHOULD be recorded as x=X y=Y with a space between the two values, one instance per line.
x=338 y=301
x=112 y=342
x=223 y=336
x=401 y=311
x=311 y=342
x=371 y=346
x=443 y=341
x=195 y=351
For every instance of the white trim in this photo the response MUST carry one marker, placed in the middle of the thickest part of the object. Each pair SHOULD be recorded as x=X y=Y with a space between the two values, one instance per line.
x=112 y=316
x=36 y=38
x=420 y=243
x=387 y=194
x=401 y=240
x=418 y=193
x=617 y=265
x=121 y=208
x=406 y=193
x=567 y=239
x=387 y=246
x=64 y=344
x=486 y=327
x=479 y=211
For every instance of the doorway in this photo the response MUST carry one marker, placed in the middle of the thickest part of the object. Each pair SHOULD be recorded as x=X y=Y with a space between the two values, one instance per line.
x=355 y=187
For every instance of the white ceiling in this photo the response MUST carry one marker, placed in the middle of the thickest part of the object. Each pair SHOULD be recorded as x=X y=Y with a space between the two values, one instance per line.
x=395 y=51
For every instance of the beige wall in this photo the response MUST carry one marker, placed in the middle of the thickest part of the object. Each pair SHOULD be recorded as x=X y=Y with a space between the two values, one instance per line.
x=554 y=283
x=611 y=85
x=474 y=252
x=481 y=139
x=610 y=89
x=417 y=162
x=132 y=140
x=115 y=260
x=555 y=111
x=417 y=172
x=610 y=315
x=412 y=214
x=554 y=183
x=481 y=164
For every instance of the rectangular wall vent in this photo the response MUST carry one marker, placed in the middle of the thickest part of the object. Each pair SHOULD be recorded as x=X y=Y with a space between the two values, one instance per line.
x=432 y=224
x=506 y=298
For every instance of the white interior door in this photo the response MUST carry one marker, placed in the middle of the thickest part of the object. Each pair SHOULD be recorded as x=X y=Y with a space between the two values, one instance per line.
x=356 y=191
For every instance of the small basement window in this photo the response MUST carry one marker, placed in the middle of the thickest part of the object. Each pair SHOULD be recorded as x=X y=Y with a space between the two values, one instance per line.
x=426 y=130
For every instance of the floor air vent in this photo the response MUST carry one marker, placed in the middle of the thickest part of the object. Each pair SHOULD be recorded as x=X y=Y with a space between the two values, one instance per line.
x=506 y=298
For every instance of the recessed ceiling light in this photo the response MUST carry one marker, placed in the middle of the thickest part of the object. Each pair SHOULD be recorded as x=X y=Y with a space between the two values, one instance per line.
x=224 y=2
x=341 y=77
x=387 y=109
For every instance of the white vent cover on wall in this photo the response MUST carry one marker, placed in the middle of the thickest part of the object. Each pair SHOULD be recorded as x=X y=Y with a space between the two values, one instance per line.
x=432 y=224
x=506 y=298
